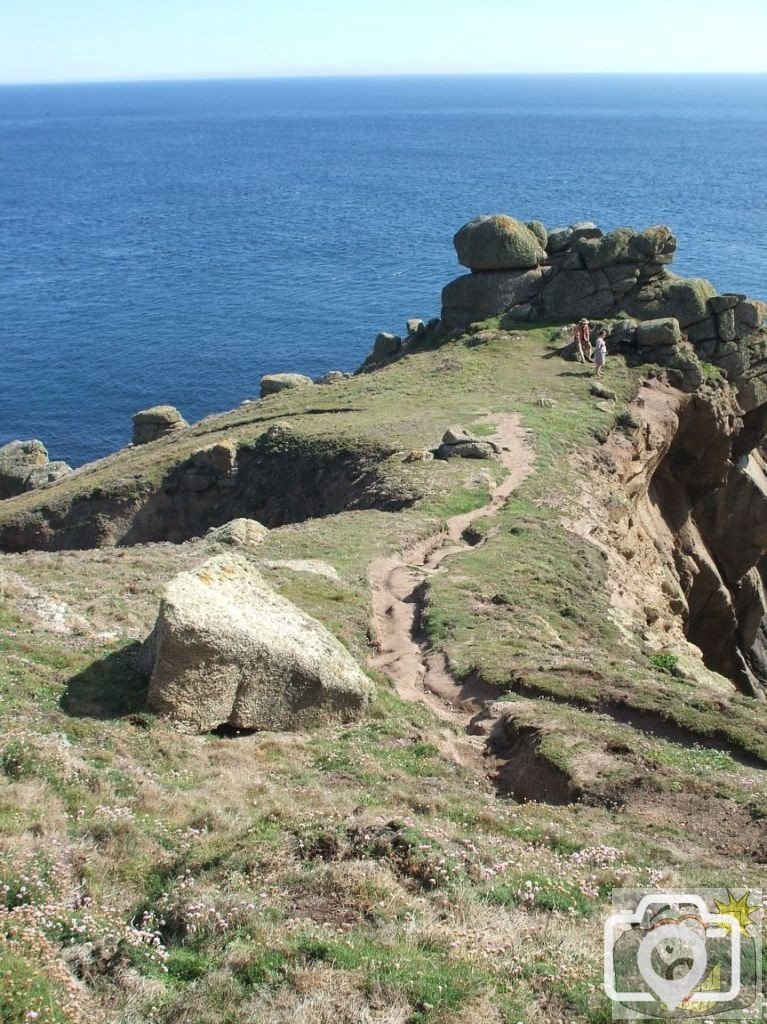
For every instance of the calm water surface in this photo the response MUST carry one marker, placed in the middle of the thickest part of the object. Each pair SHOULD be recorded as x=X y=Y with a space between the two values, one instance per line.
x=173 y=242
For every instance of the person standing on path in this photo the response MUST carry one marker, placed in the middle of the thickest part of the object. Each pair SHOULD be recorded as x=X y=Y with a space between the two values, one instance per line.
x=582 y=339
x=600 y=353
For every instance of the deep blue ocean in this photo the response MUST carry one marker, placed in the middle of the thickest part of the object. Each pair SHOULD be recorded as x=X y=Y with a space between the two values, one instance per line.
x=172 y=242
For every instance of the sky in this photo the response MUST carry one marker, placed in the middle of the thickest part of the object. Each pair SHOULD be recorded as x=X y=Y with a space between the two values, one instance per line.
x=115 y=40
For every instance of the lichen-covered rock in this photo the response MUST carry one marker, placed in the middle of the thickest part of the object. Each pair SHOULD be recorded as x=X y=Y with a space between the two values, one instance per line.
x=273 y=383
x=24 y=466
x=573 y=294
x=686 y=299
x=466 y=450
x=227 y=650
x=239 y=533
x=159 y=421
x=706 y=330
x=385 y=347
x=219 y=458
x=457 y=435
x=497 y=242
x=333 y=377
x=654 y=246
x=652 y=333
x=415 y=328
x=719 y=303
x=460 y=443
x=17 y=460
x=473 y=297
x=750 y=315
x=539 y=230
x=561 y=238
x=41 y=476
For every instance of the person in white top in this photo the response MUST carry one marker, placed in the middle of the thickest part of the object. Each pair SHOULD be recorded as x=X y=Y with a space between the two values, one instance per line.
x=600 y=352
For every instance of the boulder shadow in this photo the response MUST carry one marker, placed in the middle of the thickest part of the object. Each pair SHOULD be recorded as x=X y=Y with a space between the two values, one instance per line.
x=110 y=688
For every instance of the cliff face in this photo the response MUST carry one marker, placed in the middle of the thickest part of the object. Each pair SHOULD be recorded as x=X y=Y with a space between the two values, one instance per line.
x=688 y=533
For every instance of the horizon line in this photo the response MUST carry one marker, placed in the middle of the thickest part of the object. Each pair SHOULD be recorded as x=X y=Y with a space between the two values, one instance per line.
x=289 y=76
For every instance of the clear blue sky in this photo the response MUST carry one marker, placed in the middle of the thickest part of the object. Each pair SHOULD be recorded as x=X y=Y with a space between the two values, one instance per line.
x=81 y=40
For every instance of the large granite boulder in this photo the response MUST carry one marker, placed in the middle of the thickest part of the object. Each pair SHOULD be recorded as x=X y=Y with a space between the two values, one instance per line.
x=228 y=650
x=273 y=383
x=24 y=466
x=159 y=421
x=478 y=296
x=498 y=243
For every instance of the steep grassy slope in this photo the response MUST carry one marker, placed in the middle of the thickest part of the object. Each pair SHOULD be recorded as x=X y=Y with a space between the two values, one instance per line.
x=373 y=872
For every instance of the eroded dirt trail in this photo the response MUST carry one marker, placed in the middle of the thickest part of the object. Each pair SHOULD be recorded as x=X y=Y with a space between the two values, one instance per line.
x=399 y=586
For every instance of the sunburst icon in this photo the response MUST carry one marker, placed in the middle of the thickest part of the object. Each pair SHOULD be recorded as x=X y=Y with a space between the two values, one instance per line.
x=740 y=909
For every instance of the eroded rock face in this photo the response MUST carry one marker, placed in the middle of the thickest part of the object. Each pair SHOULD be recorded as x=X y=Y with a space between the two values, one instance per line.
x=159 y=421
x=24 y=466
x=227 y=650
x=695 y=521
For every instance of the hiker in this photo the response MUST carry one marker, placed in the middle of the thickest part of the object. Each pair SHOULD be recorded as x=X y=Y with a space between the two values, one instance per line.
x=582 y=340
x=600 y=352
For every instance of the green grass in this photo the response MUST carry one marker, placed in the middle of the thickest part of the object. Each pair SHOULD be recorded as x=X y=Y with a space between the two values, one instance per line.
x=362 y=865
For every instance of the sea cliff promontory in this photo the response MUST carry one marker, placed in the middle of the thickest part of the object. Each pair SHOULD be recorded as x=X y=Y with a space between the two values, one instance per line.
x=355 y=702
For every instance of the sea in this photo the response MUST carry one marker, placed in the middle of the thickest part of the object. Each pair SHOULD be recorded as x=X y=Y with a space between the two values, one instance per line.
x=171 y=242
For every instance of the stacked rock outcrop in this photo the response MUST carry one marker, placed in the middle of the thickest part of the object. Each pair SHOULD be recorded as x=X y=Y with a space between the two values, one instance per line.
x=24 y=466
x=580 y=271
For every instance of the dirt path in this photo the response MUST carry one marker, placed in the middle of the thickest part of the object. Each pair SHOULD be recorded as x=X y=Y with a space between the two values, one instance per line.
x=399 y=585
